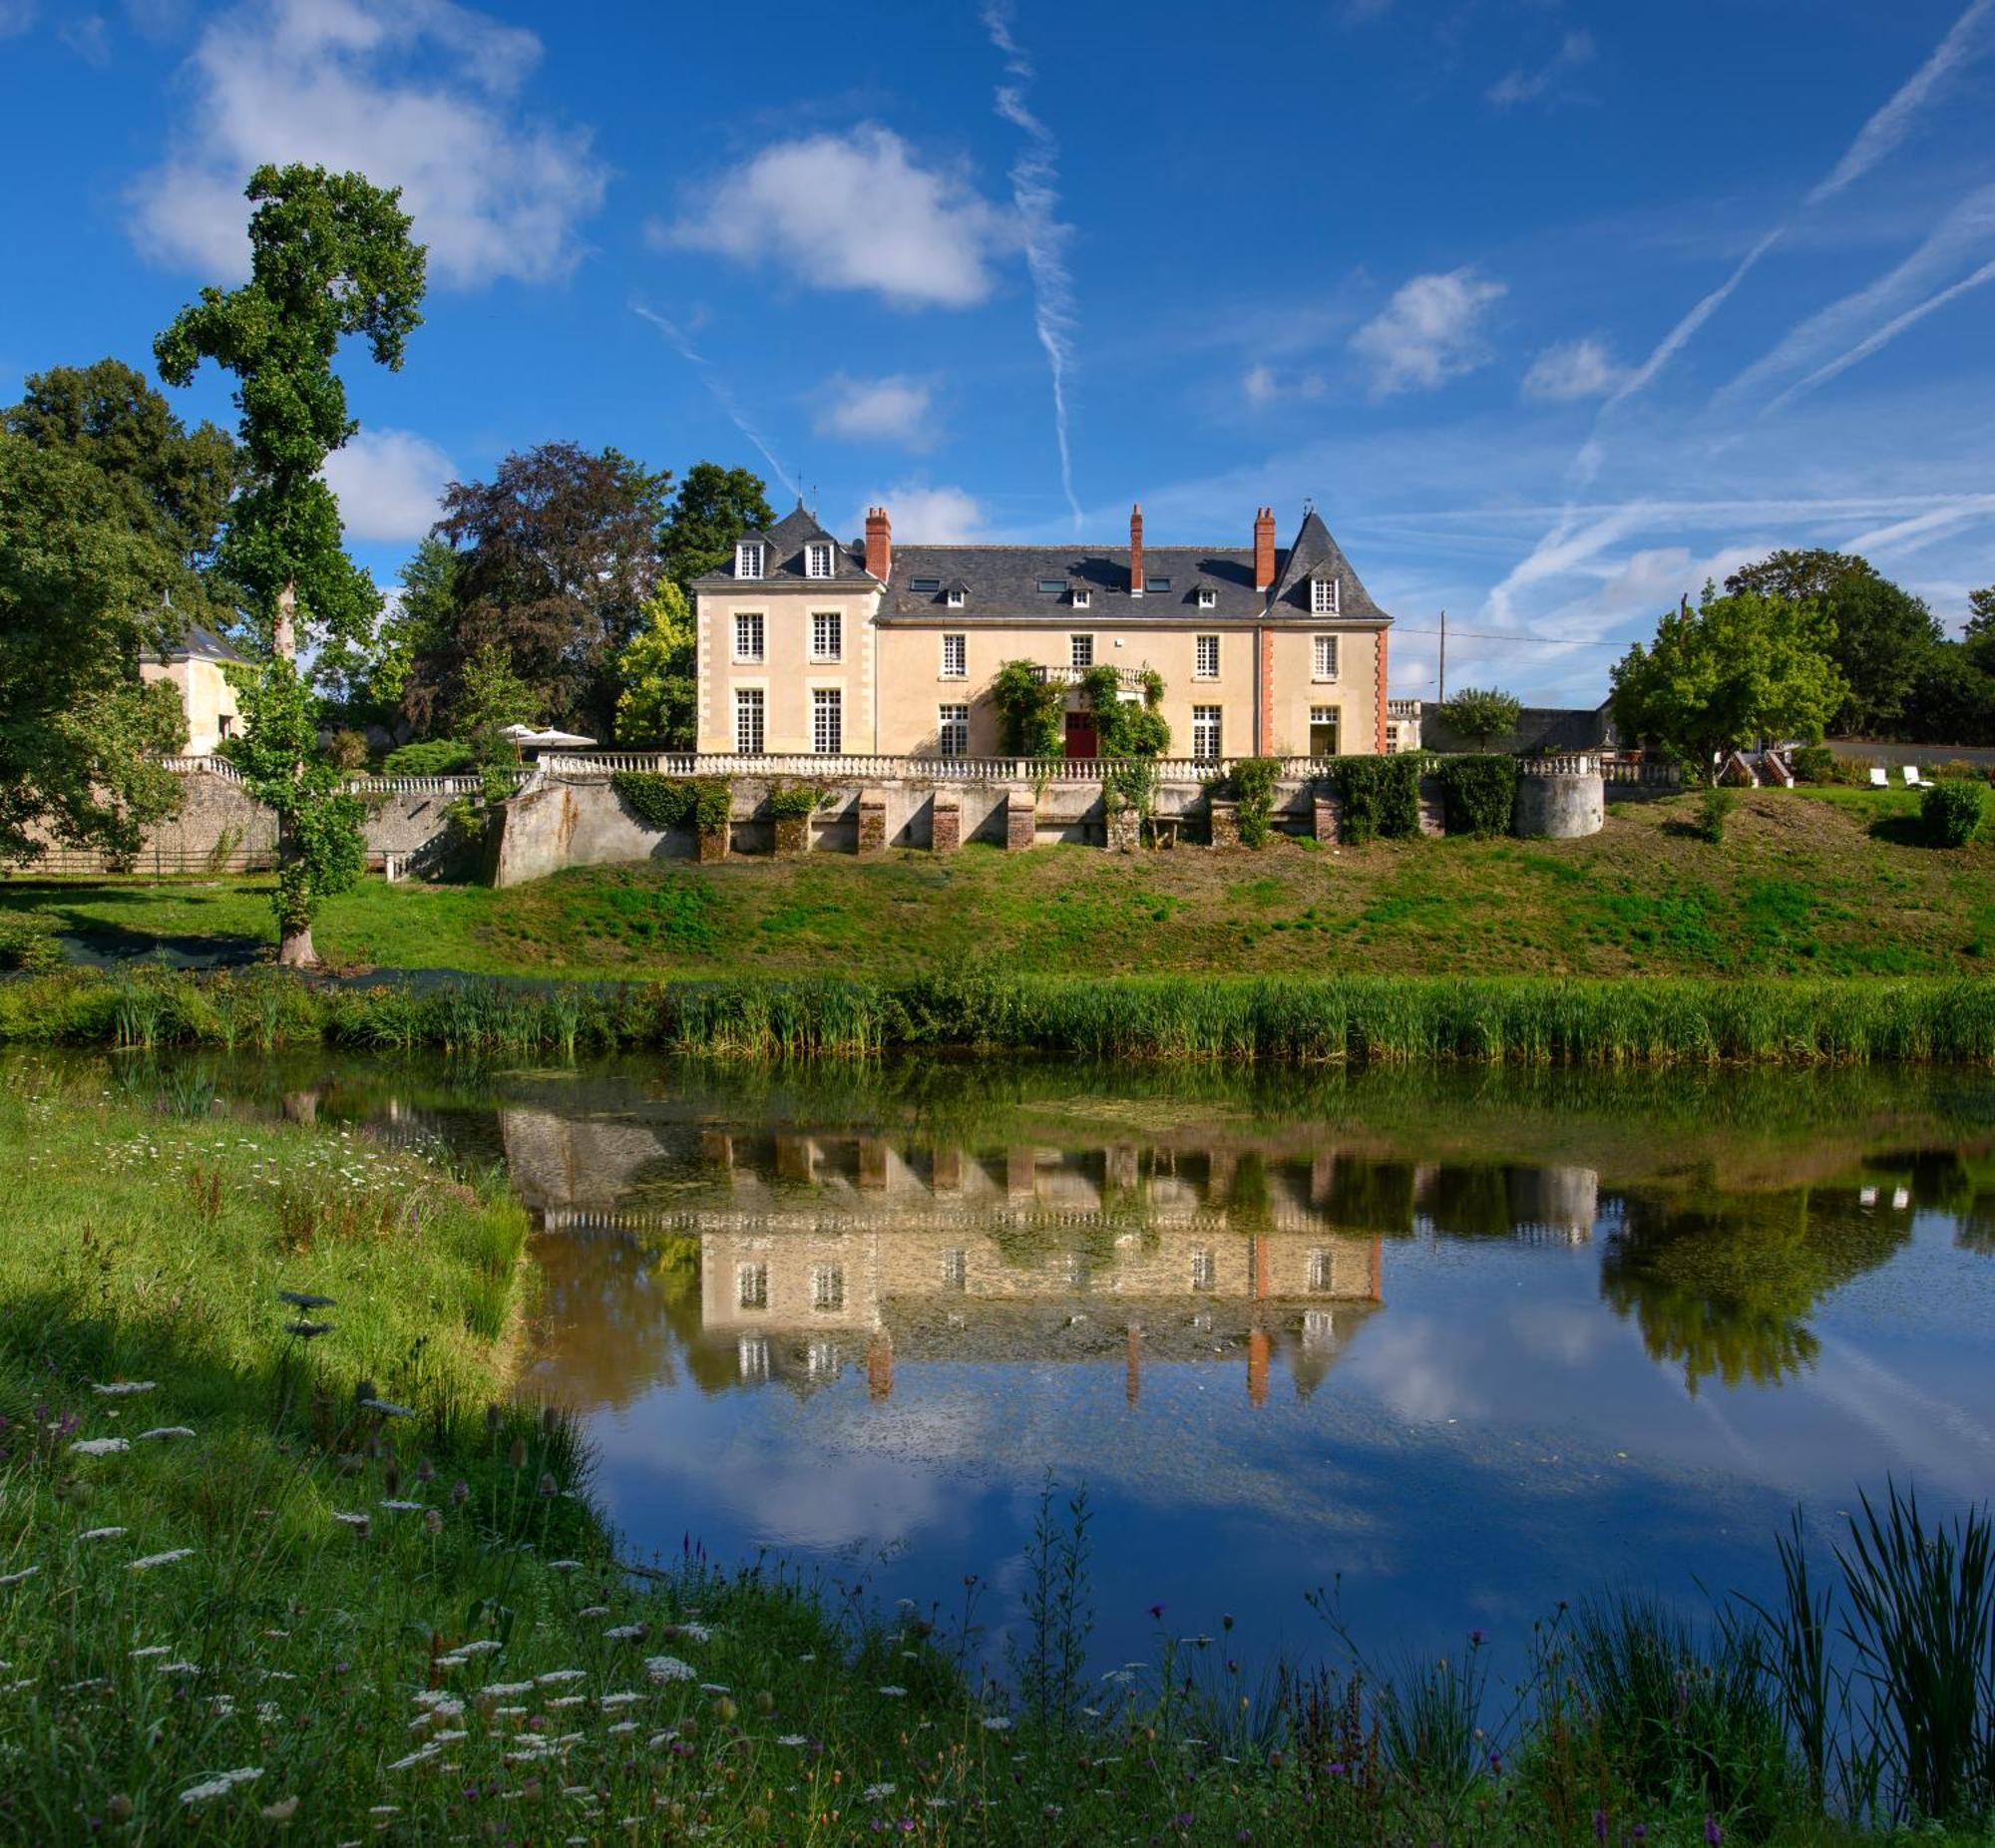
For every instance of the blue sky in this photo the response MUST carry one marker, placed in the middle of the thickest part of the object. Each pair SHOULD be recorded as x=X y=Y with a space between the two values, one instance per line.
x=1555 y=309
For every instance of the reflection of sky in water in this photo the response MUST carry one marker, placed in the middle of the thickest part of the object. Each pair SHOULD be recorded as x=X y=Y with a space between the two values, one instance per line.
x=1491 y=1440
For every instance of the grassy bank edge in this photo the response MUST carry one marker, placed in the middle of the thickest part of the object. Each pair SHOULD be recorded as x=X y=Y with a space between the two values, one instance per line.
x=1528 y=1021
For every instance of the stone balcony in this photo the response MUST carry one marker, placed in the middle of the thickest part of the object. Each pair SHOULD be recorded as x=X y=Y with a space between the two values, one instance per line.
x=1073 y=676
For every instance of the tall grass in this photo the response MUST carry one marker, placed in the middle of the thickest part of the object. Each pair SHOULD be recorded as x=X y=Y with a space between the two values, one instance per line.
x=1525 y=1021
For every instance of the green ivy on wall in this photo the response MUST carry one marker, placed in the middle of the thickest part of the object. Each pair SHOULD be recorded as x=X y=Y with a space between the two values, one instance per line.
x=663 y=804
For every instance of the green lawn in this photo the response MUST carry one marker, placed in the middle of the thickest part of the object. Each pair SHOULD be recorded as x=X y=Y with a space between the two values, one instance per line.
x=1822 y=882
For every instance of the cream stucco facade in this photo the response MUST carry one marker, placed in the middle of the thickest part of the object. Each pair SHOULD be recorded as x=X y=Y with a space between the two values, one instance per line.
x=206 y=697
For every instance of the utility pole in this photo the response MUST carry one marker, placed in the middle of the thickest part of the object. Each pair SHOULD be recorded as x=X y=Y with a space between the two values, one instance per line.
x=1443 y=698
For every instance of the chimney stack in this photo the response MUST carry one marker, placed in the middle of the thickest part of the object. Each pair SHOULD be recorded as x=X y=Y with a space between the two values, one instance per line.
x=1264 y=550
x=1136 y=550
x=879 y=544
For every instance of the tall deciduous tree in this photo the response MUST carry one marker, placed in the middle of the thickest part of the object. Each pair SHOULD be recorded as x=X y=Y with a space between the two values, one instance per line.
x=655 y=707
x=1883 y=633
x=713 y=509
x=1736 y=670
x=331 y=259
x=83 y=594
x=556 y=555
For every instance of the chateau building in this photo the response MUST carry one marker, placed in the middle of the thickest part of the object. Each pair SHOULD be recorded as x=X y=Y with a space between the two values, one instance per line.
x=812 y=644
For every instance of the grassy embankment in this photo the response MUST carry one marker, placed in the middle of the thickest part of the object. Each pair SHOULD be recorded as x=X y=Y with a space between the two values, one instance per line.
x=241 y=1591
x=1824 y=882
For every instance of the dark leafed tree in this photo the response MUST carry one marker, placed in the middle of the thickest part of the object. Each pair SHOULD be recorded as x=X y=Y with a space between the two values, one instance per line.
x=1981 y=613
x=556 y=557
x=1883 y=633
x=1481 y=713
x=713 y=509
x=84 y=582
x=331 y=259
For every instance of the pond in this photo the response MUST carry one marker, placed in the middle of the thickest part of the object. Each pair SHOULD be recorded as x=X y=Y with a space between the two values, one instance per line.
x=1453 y=1347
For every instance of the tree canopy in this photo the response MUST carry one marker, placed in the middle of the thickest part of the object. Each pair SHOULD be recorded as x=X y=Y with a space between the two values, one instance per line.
x=555 y=557
x=85 y=571
x=655 y=708
x=330 y=257
x=713 y=509
x=1736 y=670
x=1883 y=633
x=1480 y=713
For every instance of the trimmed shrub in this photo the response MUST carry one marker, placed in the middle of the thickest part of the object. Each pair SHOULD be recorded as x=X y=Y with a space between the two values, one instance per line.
x=1253 y=780
x=1381 y=795
x=1813 y=763
x=434 y=757
x=1479 y=793
x=662 y=804
x=1951 y=812
x=1713 y=810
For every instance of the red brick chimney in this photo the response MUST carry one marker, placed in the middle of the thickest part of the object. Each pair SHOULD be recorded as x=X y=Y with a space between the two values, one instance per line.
x=1264 y=550
x=878 y=543
x=1136 y=550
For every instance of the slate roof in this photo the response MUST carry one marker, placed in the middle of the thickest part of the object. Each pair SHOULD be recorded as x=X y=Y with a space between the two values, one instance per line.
x=201 y=644
x=1314 y=553
x=1004 y=581
x=785 y=565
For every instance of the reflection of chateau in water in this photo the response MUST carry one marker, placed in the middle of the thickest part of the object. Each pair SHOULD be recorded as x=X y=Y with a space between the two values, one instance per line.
x=823 y=1252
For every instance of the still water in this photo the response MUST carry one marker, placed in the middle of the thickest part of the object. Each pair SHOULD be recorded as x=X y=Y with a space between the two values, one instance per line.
x=1459 y=1348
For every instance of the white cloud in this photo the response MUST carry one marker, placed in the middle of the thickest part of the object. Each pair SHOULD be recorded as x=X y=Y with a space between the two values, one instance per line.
x=1262 y=385
x=853 y=212
x=1573 y=369
x=1522 y=85
x=16 y=17
x=897 y=409
x=417 y=94
x=388 y=483
x=924 y=515
x=1258 y=385
x=1428 y=333
x=89 y=36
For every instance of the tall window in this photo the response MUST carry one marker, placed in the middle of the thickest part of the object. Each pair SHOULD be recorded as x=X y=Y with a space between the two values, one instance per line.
x=1319 y=1273
x=827 y=1288
x=1081 y=650
x=1323 y=732
x=817 y=558
x=1325 y=600
x=749 y=704
x=827 y=635
x=952 y=731
x=956 y=1270
x=1205 y=731
x=748 y=637
x=747 y=561
x=751 y=1354
x=1324 y=657
x=827 y=721
x=752 y=1285
x=1207 y=667
x=956 y=657
x=1204 y=1272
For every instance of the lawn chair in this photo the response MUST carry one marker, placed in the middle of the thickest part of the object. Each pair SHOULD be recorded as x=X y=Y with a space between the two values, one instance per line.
x=1880 y=778
x=1911 y=775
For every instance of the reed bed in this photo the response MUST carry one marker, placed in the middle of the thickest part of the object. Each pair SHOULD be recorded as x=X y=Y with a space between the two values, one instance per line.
x=1294 y=1021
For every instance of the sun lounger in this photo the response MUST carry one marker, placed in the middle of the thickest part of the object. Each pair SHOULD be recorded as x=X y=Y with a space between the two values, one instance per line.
x=1911 y=775
x=1880 y=778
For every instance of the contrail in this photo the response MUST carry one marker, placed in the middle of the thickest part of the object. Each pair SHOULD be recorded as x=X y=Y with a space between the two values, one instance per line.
x=714 y=383
x=1034 y=179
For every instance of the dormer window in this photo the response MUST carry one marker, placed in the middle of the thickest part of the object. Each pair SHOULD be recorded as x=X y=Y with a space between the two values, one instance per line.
x=817 y=558
x=957 y=597
x=748 y=559
x=1325 y=600
x=1208 y=598
x=1081 y=599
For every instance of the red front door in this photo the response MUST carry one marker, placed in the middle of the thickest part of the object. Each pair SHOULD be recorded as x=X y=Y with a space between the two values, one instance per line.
x=1080 y=738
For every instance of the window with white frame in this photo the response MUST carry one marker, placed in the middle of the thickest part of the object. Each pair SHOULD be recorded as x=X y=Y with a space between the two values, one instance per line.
x=751 y=1355
x=822 y=1360
x=956 y=1270
x=747 y=637
x=750 y=712
x=817 y=558
x=751 y=1285
x=1208 y=598
x=1204 y=1271
x=1081 y=650
x=748 y=559
x=1081 y=599
x=957 y=597
x=1318 y=1327
x=1325 y=600
x=1207 y=664
x=827 y=1288
x=1205 y=731
x=956 y=657
x=952 y=731
x=827 y=635
x=1323 y=657
x=1320 y=1278
x=827 y=721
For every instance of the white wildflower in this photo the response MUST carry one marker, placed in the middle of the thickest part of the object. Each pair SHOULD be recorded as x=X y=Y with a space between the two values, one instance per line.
x=402 y=1507
x=625 y=1699
x=417 y=1756
x=180 y=1667
x=100 y=1446
x=621 y=1727
x=269 y=1713
x=446 y=1738
x=502 y=1690
x=593 y=1610
x=164 y=1431
x=694 y=1633
x=151 y=1560
x=223 y=1785
x=439 y=1703
x=792 y=1738
x=150 y=1649
x=388 y=1407
x=668 y=1668
x=103 y=1533
x=997 y=1722
x=625 y=1632
x=17 y=1578
x=118 y=1388
x=715 y=1687
x=568 y=1700
x=876 y=1793
x=564 y=1565
x=349 y=1517
x=555 y=1675
x=892 y=1693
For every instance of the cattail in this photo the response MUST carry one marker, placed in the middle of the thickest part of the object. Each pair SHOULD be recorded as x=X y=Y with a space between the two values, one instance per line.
x=549 y=1486
x=433 y=1520
x=118 y=1811
x=518 y=1458
x=459 y=1493
x=364 y=1389
x=550 y=1420
x=494 y=1418
x=391 y=1481
x=426 y=1471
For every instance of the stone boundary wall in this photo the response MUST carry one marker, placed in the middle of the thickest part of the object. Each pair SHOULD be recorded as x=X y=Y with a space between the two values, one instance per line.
x=561 y=822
